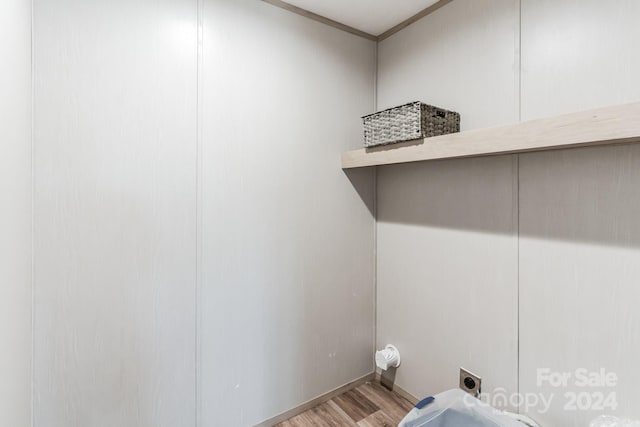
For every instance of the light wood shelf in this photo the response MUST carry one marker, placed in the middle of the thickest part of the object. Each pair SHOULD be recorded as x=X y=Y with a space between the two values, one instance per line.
x=603 y=126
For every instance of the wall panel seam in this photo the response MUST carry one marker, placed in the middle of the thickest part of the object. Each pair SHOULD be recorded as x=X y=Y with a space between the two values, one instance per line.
x=517 y=215
x=375 y=212
x=33 y=221
x=198 y=219
x=519 y=59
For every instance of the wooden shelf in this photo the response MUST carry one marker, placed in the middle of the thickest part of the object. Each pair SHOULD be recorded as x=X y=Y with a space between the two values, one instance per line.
x=610 y=125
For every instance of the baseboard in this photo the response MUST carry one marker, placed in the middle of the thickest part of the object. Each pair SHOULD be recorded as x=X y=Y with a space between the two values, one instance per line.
x=317 y=401
x=400 y=391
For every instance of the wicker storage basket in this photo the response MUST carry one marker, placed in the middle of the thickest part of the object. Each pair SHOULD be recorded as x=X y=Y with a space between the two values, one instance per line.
x=415 y=120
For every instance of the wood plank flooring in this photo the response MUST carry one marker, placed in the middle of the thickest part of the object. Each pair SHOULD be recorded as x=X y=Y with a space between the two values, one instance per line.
x=369 y=405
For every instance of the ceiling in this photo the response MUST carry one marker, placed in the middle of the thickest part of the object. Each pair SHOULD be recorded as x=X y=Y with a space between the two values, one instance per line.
x=371 y=16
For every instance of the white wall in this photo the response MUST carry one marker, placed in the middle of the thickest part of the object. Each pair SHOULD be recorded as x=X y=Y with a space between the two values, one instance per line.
x=579 y=209
x=214 y=258
x=15 y=213
x=447 y=262
x=579 y=273
x=223 y=250
x=115 y=213
x=287 y=237
x=461 y=57
x=447 y=231
x=578 y=54
x=577 y=248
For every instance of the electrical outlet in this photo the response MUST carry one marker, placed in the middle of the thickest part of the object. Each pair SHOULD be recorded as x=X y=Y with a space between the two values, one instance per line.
x=470 y=382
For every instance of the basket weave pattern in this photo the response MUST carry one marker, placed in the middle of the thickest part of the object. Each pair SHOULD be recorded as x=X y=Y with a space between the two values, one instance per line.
x=408 y=122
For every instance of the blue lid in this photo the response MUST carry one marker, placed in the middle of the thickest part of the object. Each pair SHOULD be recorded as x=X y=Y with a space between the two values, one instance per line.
x=424 y=402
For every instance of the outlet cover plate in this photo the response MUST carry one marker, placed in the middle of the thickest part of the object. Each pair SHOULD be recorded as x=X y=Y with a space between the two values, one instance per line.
x=470 y=382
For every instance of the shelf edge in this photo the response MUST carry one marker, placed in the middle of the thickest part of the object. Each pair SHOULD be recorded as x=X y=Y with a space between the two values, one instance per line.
x=604 y=126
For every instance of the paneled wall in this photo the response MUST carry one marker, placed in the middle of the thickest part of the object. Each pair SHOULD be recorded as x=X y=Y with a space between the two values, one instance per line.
x=580 y=238
x=447 y=231
x=115 y=214
x=572 y=266
x=578 y=54
x=447 y=262
x=462 y=57
x=579 y=273
x=287 y=237
x=15 y=213
x=200 y=257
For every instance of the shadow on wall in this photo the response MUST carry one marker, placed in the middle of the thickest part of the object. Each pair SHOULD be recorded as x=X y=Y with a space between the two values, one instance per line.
x=580 y=195
x=362 y=180
x=475 y=194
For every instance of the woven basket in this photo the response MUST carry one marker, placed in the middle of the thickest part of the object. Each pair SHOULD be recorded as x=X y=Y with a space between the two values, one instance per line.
x=415 y=120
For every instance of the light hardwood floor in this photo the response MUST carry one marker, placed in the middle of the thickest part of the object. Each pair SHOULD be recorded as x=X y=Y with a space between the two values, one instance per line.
x=369 y=405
